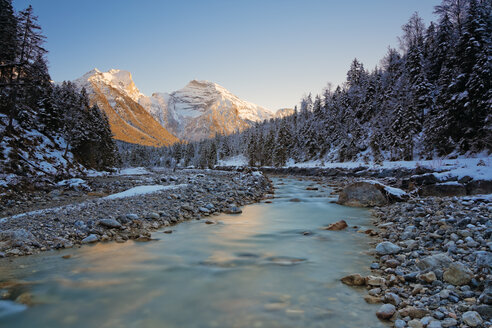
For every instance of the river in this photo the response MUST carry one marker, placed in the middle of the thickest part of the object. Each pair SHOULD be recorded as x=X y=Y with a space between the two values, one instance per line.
x=271 y=266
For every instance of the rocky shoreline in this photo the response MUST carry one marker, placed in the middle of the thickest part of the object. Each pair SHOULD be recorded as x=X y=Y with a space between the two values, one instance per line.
x=434 y=263
x=90 y=216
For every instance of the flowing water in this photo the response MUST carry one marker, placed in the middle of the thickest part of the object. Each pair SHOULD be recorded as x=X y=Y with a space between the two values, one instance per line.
x=256 y=269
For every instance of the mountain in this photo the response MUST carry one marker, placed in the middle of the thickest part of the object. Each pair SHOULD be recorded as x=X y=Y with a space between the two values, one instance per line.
x=283 y=112
x=115 y=93
x=201 y=109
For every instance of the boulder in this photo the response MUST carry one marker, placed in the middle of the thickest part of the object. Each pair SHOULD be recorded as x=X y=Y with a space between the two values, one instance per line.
x=434 y=262
x=340 y=225
x=447 y=189
x=472 y=318
x=363 y=194
x=110 y=223
x=457 y=274
x=386 y=311
x=354 y=279
x=90 y=239
x=386 y=248
x=478 y=187
x=413 y=312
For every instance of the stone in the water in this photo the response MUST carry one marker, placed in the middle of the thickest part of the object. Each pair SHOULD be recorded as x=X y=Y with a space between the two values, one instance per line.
x=110 y=223
x=386 y=311
x=472 y=319
x=340 y=225
x=282 y=260
x=354 y=279
x=234 y=210
x=24 y=298
x=210 y=222
x=372 y=299
x=386 y=248
x=90 y=239
x=375 y=281
x=295 y=200
x=458 y=274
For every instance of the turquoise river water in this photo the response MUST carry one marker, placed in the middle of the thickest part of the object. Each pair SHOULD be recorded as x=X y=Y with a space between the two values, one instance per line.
x=256 y=269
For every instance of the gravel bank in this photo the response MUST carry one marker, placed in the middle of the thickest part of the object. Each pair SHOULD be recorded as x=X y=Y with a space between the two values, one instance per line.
x=84 y=216
x=434 y=263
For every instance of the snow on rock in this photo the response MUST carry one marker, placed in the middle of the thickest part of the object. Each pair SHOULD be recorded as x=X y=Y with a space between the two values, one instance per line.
x=395 y=192
x=75 y=183
x=141 y=190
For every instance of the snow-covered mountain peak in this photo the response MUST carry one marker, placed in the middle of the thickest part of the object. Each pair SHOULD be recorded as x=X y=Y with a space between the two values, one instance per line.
x=115 y=78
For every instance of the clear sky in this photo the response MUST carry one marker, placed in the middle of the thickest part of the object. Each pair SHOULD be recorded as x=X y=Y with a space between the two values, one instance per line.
x=270 y=52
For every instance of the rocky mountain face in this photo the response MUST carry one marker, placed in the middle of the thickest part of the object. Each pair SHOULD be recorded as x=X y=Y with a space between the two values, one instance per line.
x=115 y=93
x=199 y=110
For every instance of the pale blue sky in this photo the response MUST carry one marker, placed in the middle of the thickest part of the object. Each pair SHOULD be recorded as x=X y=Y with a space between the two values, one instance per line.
x=269 y=52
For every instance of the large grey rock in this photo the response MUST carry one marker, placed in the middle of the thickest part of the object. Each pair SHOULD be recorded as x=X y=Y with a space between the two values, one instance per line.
x=433 y=262
x=386 y=248
x=386 y=311
x=458 y=274
x=90 y=239
x=472 y=318
x=110 y=223
x=362 y=194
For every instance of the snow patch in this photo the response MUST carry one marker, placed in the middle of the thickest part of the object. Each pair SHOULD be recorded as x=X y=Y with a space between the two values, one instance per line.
x=134 y=171
x=390 y=190
x=239 y=160
x=142 y=190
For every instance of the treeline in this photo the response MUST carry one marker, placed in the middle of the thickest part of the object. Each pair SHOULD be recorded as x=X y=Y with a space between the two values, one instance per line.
x=29 y=101
x=432 y=98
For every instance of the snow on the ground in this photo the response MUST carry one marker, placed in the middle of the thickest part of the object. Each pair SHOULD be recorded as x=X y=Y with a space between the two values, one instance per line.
x=134 y=171
x=239 y=160
x=487 y=197
x=141 y=190
x=479 y=168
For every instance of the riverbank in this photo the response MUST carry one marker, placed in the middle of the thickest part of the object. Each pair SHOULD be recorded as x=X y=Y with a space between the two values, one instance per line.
x=435 y=262
x=122 y=207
